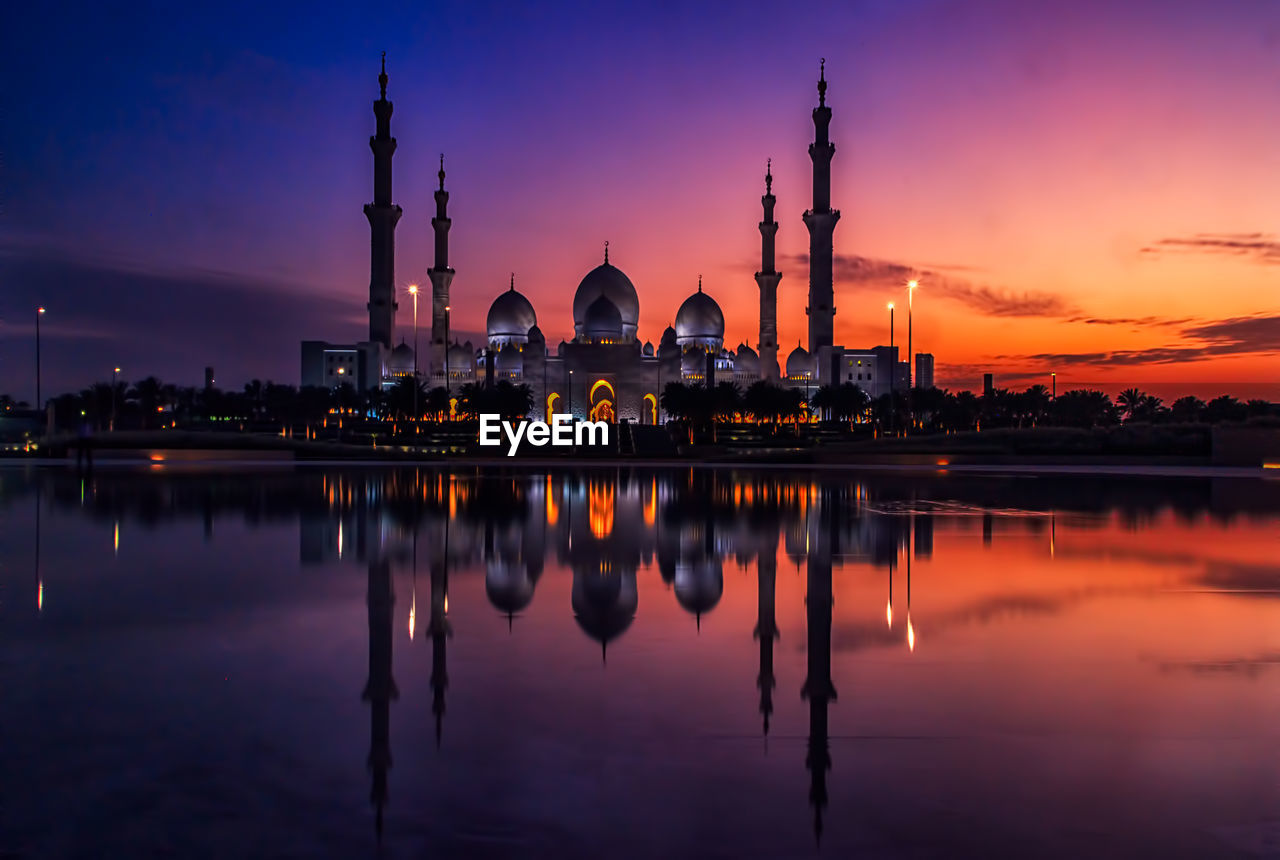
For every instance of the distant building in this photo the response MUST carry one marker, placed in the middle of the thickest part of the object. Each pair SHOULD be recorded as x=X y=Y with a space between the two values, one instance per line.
x=988 y=384
x=924 y=370
x=332 y=365
x=208 y=379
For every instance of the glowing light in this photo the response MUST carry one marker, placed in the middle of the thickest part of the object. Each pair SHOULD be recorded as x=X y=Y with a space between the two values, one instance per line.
x=600 y=510
x=413 y=614
x=413 y=289
x=888 y=614
x=115 y=548
x=40 y=584
x=339 y=540
x=911 y=634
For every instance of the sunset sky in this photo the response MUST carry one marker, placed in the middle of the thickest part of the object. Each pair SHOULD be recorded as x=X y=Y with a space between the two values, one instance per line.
x=1091 y=188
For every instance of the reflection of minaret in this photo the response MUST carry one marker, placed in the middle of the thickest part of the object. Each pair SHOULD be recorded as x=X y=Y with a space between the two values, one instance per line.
x=382 y=215
x=767 y=279
x=381 y=687
x=821 y=221
x=39 y=576
x=818 y=688
x=441 y=275
x=766 y=626
x=439 y=630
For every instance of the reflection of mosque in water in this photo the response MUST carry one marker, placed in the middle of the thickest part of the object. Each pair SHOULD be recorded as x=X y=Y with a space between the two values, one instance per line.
x=604 y=527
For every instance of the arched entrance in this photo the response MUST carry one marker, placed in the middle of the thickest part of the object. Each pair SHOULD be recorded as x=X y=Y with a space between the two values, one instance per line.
x=650 y=409
x=552 y=400
x=603 y=401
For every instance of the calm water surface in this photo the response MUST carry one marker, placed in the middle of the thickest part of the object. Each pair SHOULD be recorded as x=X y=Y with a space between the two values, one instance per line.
x=317 y=661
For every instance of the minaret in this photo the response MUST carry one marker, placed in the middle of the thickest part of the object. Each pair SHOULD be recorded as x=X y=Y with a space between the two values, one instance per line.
x=382 y=215
x=818 y=687
x=821 y=221
x=380 y=689
x=767 y=279
x=441 y=275
x=766 y=624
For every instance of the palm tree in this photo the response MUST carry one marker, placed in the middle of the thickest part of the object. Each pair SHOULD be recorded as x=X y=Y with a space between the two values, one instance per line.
x=1188 y=409
x=1130 y=402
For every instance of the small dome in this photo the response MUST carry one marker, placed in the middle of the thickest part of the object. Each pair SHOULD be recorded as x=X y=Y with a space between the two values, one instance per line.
x=508 y=586
x=401 y=359
x=668 y=336
x=648 y=348
x=746 y=360
x=799 y=363
x=608 y=281
x=698 y=586
x=603 y=320
x=535 y=335
x=510 y=316
x=699 y=319
x=460 y=358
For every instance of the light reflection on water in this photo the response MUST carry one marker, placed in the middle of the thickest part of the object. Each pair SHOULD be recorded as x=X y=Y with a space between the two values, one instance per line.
x=624 y=662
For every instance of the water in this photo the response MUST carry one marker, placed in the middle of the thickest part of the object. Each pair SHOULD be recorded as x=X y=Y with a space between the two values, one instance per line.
x=260 y=661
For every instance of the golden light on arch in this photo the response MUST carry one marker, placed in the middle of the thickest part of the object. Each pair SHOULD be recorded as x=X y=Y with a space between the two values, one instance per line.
x=652 y=401
x=599 y=383
x=552 y=399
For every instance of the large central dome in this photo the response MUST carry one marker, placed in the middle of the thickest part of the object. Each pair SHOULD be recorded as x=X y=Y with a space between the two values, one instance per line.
x=608 y=281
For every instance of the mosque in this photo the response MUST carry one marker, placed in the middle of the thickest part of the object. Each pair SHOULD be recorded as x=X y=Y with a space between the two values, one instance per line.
x=606 y=372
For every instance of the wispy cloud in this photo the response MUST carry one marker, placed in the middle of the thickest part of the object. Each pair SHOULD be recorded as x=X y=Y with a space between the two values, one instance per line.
x=1252 y=335
x=1261 y=248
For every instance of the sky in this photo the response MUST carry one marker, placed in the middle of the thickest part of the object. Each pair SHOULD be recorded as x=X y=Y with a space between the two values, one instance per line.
x=1081 y=188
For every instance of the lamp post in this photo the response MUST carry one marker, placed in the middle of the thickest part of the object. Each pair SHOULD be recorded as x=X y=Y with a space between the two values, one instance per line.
x=39 y=402
x=1054 y=377
x=570 y=392
x=115 y=373
x=413 y=291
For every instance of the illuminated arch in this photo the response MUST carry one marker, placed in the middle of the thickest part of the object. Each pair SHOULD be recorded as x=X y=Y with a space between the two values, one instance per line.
x=601 y=383
x=652 y=403
x=552 y=399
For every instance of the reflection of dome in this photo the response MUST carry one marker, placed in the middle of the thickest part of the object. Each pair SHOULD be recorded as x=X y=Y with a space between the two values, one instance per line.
x=509 y=586
x=699 y=319
x=604 y=604
x=746 y=361
x=699 y=586
x=608 y=281
x=401 y=359
x=799 y=363
x=602 y=320
x=510 y=317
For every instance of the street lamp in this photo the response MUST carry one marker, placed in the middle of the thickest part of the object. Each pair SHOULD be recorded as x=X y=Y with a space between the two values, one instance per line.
x=39 y=402
x=413 y=291
x=115 y=374
x=893 y=370
x=1054 y=377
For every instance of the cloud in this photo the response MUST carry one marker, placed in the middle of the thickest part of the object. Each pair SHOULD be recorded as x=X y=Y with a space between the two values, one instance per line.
x=1262 y=248
x=856 y=270
x=167 y=323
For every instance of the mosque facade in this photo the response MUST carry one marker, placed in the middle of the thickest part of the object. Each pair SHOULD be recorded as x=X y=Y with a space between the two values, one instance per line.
x=606 y=371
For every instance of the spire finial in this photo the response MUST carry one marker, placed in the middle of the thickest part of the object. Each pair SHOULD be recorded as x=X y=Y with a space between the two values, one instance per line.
x=513 y=282
x=768 y=176
x=606 y=251
x=441 y=173
x=382 y=78
x=822 y=83
x=699 y=283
